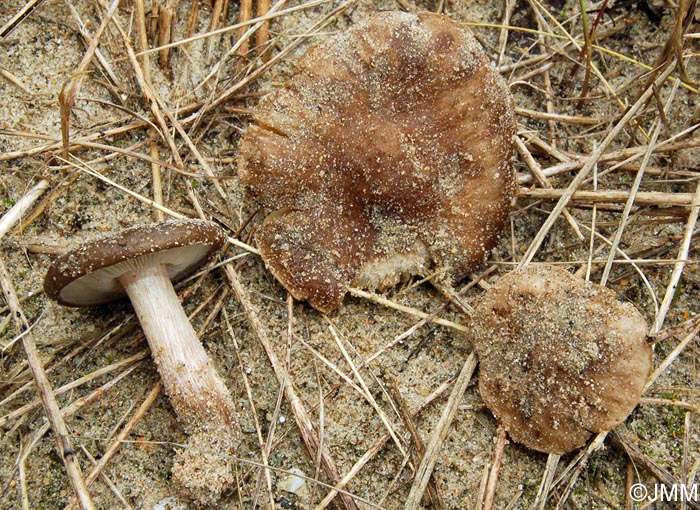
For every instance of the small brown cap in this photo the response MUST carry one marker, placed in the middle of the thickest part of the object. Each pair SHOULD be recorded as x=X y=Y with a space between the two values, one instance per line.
x=87 y=275
x=560 y=358
x=387 y=154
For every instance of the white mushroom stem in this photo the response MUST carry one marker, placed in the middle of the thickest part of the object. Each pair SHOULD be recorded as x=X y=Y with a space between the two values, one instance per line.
x=201 y=400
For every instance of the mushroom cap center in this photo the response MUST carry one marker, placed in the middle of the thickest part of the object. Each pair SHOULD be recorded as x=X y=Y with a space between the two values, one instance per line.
x=560 y=357
x=387 y=155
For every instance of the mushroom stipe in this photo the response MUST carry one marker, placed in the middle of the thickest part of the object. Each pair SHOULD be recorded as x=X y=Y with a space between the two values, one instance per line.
x=388 y=154
x=141 y=262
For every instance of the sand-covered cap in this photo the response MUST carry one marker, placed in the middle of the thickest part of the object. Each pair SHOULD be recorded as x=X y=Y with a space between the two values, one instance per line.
x=388 y=154
x=560 y=358
x=88 y=275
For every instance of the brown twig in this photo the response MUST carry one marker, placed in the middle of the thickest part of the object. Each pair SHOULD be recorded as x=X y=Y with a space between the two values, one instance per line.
x=245 y=14
x=142 y=41
x=492 y=481
x=262 y=36
x=159 y=109
x=672 y=52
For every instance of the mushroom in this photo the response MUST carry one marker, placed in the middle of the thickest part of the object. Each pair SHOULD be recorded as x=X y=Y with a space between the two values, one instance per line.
x=387 y=155
x=141 y=262
x=560 y=358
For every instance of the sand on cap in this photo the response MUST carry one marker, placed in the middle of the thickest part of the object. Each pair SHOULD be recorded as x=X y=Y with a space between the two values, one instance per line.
x=560 y=358
x=388 y=154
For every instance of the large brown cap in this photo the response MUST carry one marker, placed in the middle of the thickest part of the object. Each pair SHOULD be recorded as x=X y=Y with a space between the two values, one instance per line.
x=387 y=154
x=87 y=275
x=560 y=358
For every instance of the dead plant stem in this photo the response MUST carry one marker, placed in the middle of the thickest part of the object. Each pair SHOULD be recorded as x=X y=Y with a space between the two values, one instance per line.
x=587 y=167
x=432 y=450
x=48 y=399
x=306 y=429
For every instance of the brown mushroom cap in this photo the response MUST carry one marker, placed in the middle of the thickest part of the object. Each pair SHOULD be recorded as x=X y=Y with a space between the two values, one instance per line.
x=560 y=358
x=387 y=154
x=88 y=275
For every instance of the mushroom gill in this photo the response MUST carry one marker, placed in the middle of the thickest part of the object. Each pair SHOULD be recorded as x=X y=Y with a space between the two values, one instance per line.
x=387 y=154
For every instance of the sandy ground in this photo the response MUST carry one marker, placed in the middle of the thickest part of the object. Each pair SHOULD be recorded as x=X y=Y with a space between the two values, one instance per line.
x=99 y=353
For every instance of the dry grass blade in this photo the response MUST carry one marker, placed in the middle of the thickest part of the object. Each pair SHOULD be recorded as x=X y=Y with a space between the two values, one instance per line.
x=70 y=410
x=173 y=214
x=576 y=467
x=217 y=12
x=14 y=80
x=659 y=472
x=492 y=480
x=142 y=40
x=264 y=453
x=377 y=446
x=73 y=385
x=672 y=356
x=113 y=448
x=592 y=160
x=542 y=179
x=107 y=480
x=566 y=119
x=46 y=395
x=101 y=59
x=677 y=142
x=306 y=429
x=365 y=389
x=438 y=435
x=19 y=16
x=546 y=484
x=678 y=268
x=71 y=88
x=434 y=498
x=405 y=309
x=17 y=212
x=633 y=192
x=672 y=51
